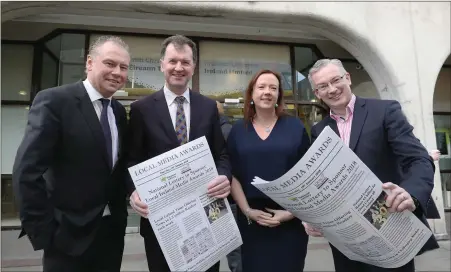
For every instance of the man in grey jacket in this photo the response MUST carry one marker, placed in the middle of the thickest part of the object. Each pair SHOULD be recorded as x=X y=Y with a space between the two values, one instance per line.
x=234 y=257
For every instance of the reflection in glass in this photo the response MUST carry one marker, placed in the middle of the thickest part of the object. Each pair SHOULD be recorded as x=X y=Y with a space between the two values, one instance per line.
x=64 y=59
x=362 y=85
x=446 y=189
x=443 y=139
x=310 y=115
x=442 y=124
x=304 y=58
x=49 y=74
x=233 y=111
x=9 y=207
x=72 y=58
x=225 y=68
x=17 y=63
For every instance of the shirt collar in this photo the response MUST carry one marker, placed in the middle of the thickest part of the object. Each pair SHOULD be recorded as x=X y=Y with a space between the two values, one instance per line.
x=94 y=95
x=349 y=109
x=170 y=96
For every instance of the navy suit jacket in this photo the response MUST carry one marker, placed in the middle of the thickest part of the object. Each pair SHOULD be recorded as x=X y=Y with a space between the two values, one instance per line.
x=152 y=133
x=61 y=177
x=383 y=139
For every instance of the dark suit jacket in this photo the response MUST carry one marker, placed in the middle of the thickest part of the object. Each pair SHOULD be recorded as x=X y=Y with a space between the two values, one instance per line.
x=61 y=177
x=226 y=127
x=382 y=138
x=152 y=133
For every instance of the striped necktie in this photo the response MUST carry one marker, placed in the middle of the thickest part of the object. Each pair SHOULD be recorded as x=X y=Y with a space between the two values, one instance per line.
x=180 y=121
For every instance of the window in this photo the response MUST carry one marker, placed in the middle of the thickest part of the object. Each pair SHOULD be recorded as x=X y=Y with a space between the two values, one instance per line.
x=63 y=60
x=362 y=85
x=9 y=207
x=442 y=117
x=304 y=59
x=226 y=68
x=17 y=64
x=49 y=71
x=72 y=58
x=442 y=92
x=442 y=124
x=14 y=120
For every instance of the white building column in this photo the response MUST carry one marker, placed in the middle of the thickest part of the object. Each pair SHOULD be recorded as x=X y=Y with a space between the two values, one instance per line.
x=432 y=48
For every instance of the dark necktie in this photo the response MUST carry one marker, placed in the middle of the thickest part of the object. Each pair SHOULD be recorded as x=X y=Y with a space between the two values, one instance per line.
x=180 y=121
x=106 y=129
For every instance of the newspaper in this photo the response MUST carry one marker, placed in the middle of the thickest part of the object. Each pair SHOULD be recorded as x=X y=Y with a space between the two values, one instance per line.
x=194 y=230
x=335 y=192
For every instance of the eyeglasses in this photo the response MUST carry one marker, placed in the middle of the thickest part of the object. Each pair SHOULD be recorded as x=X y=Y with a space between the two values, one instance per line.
x=334 y=82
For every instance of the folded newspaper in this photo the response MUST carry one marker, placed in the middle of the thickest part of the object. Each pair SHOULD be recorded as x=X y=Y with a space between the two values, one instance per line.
x=194 y=230
x=335 y=192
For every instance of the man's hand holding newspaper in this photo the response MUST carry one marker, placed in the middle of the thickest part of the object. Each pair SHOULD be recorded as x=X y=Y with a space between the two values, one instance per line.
x=184 y=199
x=337 y=196
x=219 y=187
x=398 y=200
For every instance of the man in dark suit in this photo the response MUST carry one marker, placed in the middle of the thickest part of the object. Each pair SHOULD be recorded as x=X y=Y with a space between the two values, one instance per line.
x=69 y=173
x=380 y=135
x=167 y=119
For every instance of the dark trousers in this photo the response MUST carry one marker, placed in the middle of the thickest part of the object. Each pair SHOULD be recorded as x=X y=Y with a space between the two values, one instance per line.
x=344 y=264
x=103 y=255
x=155 y=257
x=234 y=257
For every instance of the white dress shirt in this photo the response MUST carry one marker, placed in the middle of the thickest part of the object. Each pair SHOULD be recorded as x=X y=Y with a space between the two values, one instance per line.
x=172 y=105
x=94 y=95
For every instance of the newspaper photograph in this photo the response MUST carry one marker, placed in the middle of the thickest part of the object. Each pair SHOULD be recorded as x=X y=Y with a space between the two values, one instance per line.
x=194 y=231
x=334 y=191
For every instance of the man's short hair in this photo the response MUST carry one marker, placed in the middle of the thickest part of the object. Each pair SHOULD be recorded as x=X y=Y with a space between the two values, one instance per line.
x=179 y=41
x=98 y=42
x=320 y=64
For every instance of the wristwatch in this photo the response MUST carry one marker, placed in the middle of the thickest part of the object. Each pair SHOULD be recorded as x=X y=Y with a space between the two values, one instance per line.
x=416 y=202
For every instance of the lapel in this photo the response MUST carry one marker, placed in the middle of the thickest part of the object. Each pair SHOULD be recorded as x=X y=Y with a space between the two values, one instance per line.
x=195 y=114
x=161 y=107
x=358 y=120
x=87 y=109
x=332 y=124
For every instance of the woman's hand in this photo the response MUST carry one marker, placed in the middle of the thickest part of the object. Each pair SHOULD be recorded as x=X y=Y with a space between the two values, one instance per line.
x=281 y=215
x=262 y=218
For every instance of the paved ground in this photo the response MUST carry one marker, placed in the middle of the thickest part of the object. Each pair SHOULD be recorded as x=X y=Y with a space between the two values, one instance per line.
x=17 y=255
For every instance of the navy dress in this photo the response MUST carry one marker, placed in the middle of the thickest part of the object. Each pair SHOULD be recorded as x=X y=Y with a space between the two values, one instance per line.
x=282 y=248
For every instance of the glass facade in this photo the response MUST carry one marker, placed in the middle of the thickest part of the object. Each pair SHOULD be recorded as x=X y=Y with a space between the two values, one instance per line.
x=304 y=58
x=225 y=68
x=17 y=65
x=16 y=74
x=442 y=123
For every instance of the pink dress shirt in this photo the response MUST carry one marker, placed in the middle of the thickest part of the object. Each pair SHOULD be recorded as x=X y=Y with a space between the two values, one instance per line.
x=344 y=124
